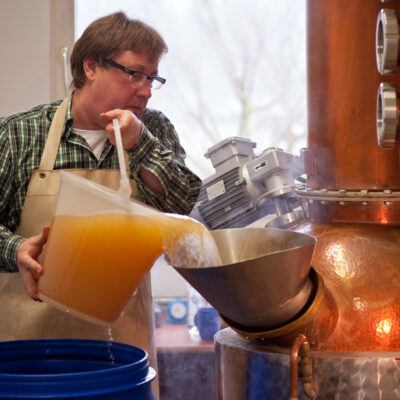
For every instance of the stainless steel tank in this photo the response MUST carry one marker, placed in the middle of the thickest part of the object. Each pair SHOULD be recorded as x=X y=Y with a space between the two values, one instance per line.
x=255 y=371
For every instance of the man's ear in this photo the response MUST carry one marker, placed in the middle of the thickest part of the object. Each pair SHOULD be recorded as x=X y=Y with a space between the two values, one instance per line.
x=90 y=66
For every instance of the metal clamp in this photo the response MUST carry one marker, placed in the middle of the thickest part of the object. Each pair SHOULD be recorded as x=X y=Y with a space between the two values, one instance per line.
x=345 y=196
x=387 y=41
x=301 y=347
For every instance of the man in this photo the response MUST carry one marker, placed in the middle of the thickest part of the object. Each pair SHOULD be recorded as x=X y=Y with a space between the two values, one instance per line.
x=111 y=81
x=114 y=67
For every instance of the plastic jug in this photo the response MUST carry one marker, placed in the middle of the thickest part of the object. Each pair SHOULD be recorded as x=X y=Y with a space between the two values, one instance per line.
x=101 y=245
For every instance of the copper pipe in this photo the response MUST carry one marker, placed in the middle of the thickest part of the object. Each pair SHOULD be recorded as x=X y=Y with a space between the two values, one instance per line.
x=294 y=373
x=301 y=347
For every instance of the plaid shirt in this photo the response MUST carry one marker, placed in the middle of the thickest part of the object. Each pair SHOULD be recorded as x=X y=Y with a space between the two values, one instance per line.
x=22 y=139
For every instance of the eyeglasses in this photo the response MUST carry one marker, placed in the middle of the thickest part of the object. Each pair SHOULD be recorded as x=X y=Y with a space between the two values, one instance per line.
x=138 y=78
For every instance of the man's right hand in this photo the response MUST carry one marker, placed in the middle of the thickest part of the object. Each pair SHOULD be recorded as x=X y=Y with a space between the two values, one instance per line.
x=27 y=259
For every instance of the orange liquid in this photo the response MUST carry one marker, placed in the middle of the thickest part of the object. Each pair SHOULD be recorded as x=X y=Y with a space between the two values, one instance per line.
x=93 y=264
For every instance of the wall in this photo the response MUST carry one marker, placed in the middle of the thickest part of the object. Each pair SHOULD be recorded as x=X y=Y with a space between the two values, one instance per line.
x=31 y=35
x=166 y=283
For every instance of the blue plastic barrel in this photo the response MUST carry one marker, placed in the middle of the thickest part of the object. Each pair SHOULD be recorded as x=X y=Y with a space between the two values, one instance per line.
x=74 y=369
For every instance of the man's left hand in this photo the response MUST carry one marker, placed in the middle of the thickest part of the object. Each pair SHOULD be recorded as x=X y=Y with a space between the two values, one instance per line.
x=130 y=127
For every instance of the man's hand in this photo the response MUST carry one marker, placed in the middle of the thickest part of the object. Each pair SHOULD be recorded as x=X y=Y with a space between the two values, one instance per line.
x=130 y=127
x=27 y=259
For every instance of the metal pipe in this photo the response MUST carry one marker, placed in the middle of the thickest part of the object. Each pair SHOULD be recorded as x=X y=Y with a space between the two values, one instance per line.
x=301 y=347
x=64 y=55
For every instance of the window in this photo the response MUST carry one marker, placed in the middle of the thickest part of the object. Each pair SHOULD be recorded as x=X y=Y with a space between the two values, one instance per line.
x=234 y=68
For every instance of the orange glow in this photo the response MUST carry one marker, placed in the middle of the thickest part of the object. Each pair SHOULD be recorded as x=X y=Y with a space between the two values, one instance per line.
x=384 y=327
x=336 y=255
x=383 y=219
x=383 y=215
x=359 y=267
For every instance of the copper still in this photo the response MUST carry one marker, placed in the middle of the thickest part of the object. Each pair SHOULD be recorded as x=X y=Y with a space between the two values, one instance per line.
x=348 y=333
x=352 y=190
x=352 y=167
x=352 y=194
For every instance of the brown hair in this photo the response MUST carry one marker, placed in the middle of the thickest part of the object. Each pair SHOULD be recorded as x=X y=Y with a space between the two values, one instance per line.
x=109 y=36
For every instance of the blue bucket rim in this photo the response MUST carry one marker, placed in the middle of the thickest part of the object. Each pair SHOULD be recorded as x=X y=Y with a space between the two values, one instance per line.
x=130 y=375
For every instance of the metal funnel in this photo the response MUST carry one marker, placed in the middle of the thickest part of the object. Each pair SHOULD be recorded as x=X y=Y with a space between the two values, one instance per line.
x=263 y=281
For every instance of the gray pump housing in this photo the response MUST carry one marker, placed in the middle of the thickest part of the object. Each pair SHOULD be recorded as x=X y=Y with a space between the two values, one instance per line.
x=247 y=187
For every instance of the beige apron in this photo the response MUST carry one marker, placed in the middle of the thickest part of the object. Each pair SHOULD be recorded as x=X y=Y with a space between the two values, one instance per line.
x=23 y=318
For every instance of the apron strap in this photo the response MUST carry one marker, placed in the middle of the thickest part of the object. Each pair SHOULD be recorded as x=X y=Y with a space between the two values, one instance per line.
x=53 y=139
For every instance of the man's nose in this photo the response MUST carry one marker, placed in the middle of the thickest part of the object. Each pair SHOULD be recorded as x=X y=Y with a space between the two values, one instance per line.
x=145 y=89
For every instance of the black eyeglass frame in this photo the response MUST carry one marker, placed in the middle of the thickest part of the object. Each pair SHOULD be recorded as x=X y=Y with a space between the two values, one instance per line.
x=131 y=72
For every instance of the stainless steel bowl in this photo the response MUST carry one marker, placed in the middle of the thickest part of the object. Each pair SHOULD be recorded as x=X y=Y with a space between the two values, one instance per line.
x=263 y=281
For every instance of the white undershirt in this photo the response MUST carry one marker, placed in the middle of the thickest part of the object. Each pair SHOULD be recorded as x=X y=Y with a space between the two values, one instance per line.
x=95 y=139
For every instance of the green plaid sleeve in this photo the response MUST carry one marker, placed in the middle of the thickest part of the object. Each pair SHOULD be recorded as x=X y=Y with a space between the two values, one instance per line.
x=8 y=251
x=158 y=150
x=8 y=241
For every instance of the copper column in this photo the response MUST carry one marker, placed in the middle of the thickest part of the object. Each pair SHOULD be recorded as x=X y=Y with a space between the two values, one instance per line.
x=353 y=174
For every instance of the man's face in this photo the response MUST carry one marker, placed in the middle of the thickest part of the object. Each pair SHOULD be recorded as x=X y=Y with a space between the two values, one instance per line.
x=113 y=88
